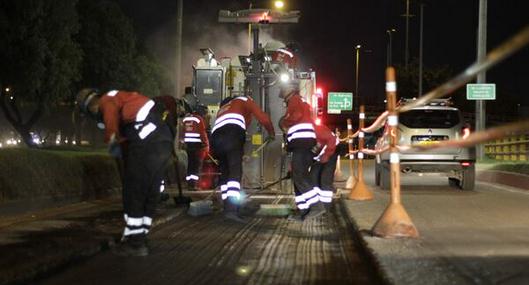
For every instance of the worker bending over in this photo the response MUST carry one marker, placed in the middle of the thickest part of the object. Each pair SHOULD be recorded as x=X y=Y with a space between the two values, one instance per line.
x=227 y=141
x=301 y=138
x=137 y=119
x=322 y=171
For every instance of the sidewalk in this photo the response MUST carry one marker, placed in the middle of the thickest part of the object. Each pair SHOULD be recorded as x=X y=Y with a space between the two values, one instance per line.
x=466 y=237
x=41 y=242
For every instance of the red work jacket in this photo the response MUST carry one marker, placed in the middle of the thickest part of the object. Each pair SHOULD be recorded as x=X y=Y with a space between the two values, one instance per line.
x=194 y=130
x=122 y=107
x=239 y=112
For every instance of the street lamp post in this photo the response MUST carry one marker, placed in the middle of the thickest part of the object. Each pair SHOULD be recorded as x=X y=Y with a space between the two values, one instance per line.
x=390 y=46
x=357 y=48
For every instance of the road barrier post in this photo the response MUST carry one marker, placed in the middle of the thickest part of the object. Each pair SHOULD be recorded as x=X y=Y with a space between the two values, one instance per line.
x=338 y=174
x=395 y=221
x=361 y=191
x=351 y=181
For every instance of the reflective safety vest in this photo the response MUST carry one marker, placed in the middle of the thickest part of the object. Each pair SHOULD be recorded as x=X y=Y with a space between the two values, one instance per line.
x=122 y=108
x=194 y=129
x=239 y=112
x=298 y=120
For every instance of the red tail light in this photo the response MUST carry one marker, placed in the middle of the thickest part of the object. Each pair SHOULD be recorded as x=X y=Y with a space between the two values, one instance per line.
x=465 y=164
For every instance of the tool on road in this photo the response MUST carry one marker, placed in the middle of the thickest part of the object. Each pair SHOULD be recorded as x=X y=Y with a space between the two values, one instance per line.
x=213 y=159
x=261 y=147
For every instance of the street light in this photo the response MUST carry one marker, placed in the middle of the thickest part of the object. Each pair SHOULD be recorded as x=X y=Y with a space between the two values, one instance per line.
x=279 y=4
x=390 y=46
x=357 y=48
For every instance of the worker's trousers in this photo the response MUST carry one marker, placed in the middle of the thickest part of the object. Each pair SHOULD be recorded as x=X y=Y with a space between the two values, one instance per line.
x=302 y=160
x=146 y=164
x=195 y=155
x=323 y=177
x=228 y=147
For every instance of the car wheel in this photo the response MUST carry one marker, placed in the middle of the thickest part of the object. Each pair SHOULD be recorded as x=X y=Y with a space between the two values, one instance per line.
x=385 y=180
x=468 y=180
x=453 y=182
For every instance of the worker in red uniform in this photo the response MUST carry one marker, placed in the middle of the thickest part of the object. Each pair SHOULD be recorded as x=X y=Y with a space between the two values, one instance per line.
x=301 y=138
x=227 y=141
x=137 y=119
x=322 y=171
x=196 y=141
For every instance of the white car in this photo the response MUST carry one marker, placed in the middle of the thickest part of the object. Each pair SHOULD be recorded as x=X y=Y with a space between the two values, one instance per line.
x=430 y=124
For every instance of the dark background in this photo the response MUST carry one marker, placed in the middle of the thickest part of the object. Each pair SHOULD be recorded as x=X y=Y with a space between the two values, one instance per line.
x=329 y=30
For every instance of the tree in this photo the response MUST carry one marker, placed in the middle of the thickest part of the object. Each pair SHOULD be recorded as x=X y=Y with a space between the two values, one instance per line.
x=112 y=59
x=40 y=59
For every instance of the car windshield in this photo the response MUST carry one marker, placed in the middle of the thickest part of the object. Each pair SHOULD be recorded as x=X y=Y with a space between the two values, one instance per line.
x=433 y=119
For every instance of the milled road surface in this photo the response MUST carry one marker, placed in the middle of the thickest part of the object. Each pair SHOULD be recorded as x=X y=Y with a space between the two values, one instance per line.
x=210 y=250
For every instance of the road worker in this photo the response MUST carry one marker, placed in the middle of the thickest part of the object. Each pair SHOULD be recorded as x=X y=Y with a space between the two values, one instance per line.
x=322 y=171
x=196 y=141
x=227 y=141
x=136 y=119
x=301 y=138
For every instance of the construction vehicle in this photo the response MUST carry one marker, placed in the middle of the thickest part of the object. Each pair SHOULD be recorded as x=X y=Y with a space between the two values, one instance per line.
x=259 y=75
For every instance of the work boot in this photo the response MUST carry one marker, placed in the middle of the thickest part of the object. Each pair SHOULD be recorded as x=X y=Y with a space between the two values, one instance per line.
x=298 y=216
x=316 y=210
x=231 y=210
x=134 y=245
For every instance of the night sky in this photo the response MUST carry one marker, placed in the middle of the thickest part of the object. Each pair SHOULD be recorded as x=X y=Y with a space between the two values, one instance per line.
x=329 y=30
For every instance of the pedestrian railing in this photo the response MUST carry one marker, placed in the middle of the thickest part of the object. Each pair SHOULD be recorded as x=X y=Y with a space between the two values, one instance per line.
x=395 y=221
x=512 y=148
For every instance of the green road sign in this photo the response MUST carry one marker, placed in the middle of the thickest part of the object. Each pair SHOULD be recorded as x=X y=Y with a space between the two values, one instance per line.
x=481 y=91
x=339 y=101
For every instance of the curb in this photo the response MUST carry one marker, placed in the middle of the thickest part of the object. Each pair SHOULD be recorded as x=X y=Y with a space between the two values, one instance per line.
x=366 y=251
x=511 y=179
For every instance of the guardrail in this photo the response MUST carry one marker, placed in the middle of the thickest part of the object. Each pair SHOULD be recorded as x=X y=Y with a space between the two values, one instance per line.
x=512 y=148
x=395 y=221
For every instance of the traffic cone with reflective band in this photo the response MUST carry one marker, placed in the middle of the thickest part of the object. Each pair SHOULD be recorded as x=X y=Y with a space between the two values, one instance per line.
x=361 y=191
x=395 y=221
x=351 y=181
x=338 y=174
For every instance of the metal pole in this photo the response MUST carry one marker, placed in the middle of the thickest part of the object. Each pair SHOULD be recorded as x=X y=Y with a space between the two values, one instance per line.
x=180 y=12
x=356 y=75
x=390 y=47
x=406 y=52
x=420 y=49
x=481 y=78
